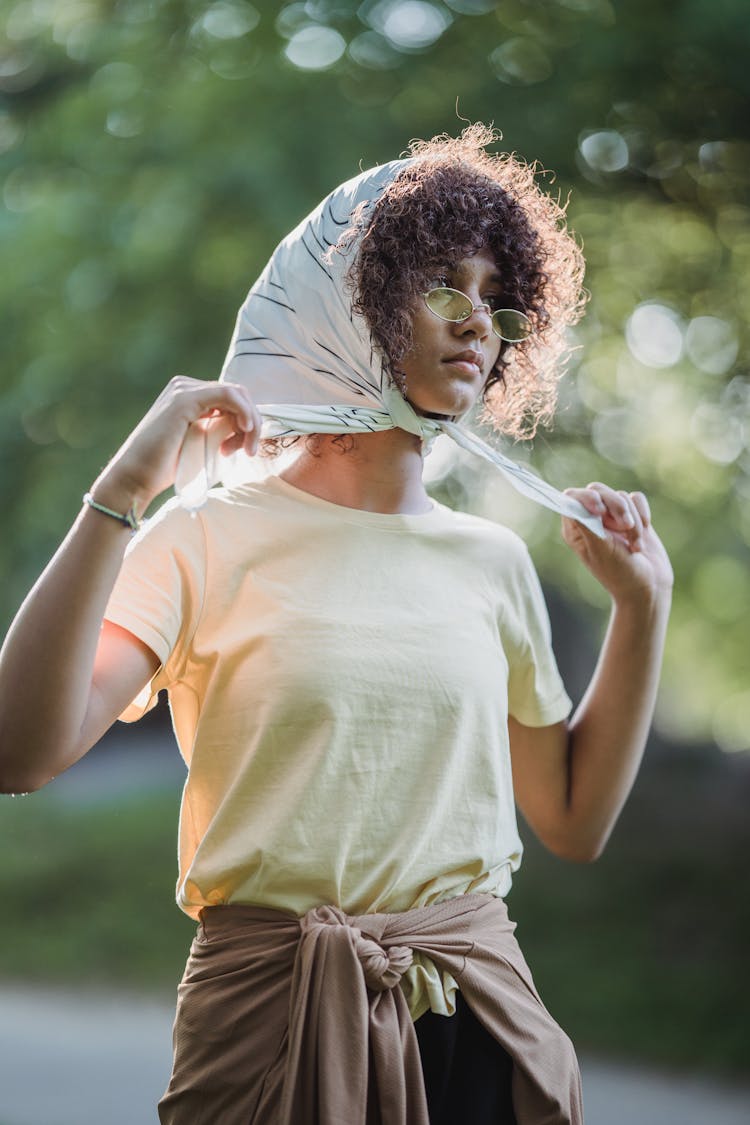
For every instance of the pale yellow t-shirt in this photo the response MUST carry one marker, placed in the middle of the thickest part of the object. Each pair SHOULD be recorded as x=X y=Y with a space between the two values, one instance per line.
x=340 y=683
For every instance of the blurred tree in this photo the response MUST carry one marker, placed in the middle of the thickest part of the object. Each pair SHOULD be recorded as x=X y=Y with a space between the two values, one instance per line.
x=153 y=152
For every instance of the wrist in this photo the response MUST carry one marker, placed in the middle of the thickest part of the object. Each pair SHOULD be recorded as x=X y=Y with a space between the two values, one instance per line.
x=121 y=494
x=645 y=602
x=128 y=519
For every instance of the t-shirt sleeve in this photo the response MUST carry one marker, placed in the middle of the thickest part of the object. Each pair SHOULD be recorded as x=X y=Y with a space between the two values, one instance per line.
x=159 y=593
x=536 y=693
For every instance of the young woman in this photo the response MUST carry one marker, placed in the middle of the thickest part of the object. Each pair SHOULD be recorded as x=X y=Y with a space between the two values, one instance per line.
x=361 y=680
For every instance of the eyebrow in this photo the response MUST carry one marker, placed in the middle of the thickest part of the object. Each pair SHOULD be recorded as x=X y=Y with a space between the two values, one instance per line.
x=493 y=279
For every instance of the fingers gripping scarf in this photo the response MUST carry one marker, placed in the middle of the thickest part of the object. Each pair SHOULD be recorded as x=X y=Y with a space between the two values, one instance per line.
x=311 y=365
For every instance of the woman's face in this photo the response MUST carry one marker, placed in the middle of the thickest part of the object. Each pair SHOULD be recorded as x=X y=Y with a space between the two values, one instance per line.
x=448 y=363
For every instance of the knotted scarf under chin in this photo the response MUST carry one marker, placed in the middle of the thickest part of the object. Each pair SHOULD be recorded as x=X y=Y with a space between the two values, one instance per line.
x=311 y=365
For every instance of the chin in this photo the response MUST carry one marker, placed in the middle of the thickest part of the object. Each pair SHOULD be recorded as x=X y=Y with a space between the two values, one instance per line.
x=444 y=411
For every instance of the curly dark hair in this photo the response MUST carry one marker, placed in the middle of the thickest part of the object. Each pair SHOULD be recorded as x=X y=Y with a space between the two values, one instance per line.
x=452 y=201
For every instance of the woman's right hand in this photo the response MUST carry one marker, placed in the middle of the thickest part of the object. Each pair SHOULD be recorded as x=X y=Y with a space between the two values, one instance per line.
x=146 y=463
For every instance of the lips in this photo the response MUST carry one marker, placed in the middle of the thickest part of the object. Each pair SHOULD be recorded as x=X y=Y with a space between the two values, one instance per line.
x=467 y=358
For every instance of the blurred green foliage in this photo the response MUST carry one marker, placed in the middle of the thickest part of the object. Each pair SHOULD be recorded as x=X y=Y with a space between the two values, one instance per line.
x=154 y=151
x=92 y=892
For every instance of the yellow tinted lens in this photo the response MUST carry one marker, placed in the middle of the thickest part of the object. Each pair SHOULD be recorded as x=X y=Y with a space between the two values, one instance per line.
x=511 y=325
x=448 y=304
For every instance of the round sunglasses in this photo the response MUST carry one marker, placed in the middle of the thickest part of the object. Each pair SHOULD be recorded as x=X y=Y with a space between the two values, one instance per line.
x=451 y=304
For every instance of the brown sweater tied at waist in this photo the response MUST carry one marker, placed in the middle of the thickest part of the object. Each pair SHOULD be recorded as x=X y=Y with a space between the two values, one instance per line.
x=299 y=1021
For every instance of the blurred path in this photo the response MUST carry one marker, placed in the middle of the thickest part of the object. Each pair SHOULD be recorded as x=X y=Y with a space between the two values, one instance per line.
x=91 y=1059
x=122 y=766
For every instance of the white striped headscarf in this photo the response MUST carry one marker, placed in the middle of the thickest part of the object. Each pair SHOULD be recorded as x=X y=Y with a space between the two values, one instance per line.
x=311 y=364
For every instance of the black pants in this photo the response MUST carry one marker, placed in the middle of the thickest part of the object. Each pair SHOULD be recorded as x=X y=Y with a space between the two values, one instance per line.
x=466 y=1071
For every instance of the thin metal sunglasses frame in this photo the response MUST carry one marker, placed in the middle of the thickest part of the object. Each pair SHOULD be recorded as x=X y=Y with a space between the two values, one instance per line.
x=496 y=315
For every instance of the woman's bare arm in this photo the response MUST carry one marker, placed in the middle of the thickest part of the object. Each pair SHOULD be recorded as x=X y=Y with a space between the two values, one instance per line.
x=47 y=661
x=572 y=779
x=63 y=680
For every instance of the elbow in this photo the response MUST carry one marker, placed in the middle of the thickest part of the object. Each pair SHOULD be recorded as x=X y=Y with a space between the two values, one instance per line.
x=579 y=850
x=10 y=780
x=582 y=854
x=11 y=789
x=12 y=785
x=18 y=777
x=15 y=783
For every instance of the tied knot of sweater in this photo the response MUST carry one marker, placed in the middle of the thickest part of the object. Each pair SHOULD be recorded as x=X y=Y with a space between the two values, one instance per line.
x=382 y=965
x=383 y=968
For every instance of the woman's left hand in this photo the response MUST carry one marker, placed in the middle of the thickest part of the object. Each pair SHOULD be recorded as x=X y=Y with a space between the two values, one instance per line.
x=631 y=561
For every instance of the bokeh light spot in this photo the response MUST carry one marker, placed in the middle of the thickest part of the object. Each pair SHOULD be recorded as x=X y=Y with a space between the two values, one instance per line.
x=227 y=20
x=11 y=132
x=19 y=71
x=292 y=18
x=410 y=25
x=615 y=434
x=521 y=61
x=654 y=335
x=315 y=48
x=124 y=123
x=24 y=189
x=604 y=151
x=89 y=285
x=39 y=424
x=711 y=344
x=718 y=435
x=116 y=81
x=22 y=22
x=373 y=50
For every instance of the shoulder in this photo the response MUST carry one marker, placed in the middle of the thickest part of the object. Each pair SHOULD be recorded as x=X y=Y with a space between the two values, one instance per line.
x=229 y=509
x=170 y=525
x=222 y=503
x=498 y=542
x=499 y=558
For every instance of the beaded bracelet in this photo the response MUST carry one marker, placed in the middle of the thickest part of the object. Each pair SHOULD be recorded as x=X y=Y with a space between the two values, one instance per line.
x=129 y=518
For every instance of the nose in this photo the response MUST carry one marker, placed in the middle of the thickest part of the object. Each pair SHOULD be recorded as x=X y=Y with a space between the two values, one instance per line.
x=479 y=321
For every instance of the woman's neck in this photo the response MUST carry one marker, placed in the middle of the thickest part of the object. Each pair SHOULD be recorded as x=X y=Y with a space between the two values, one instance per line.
x=380 y=472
